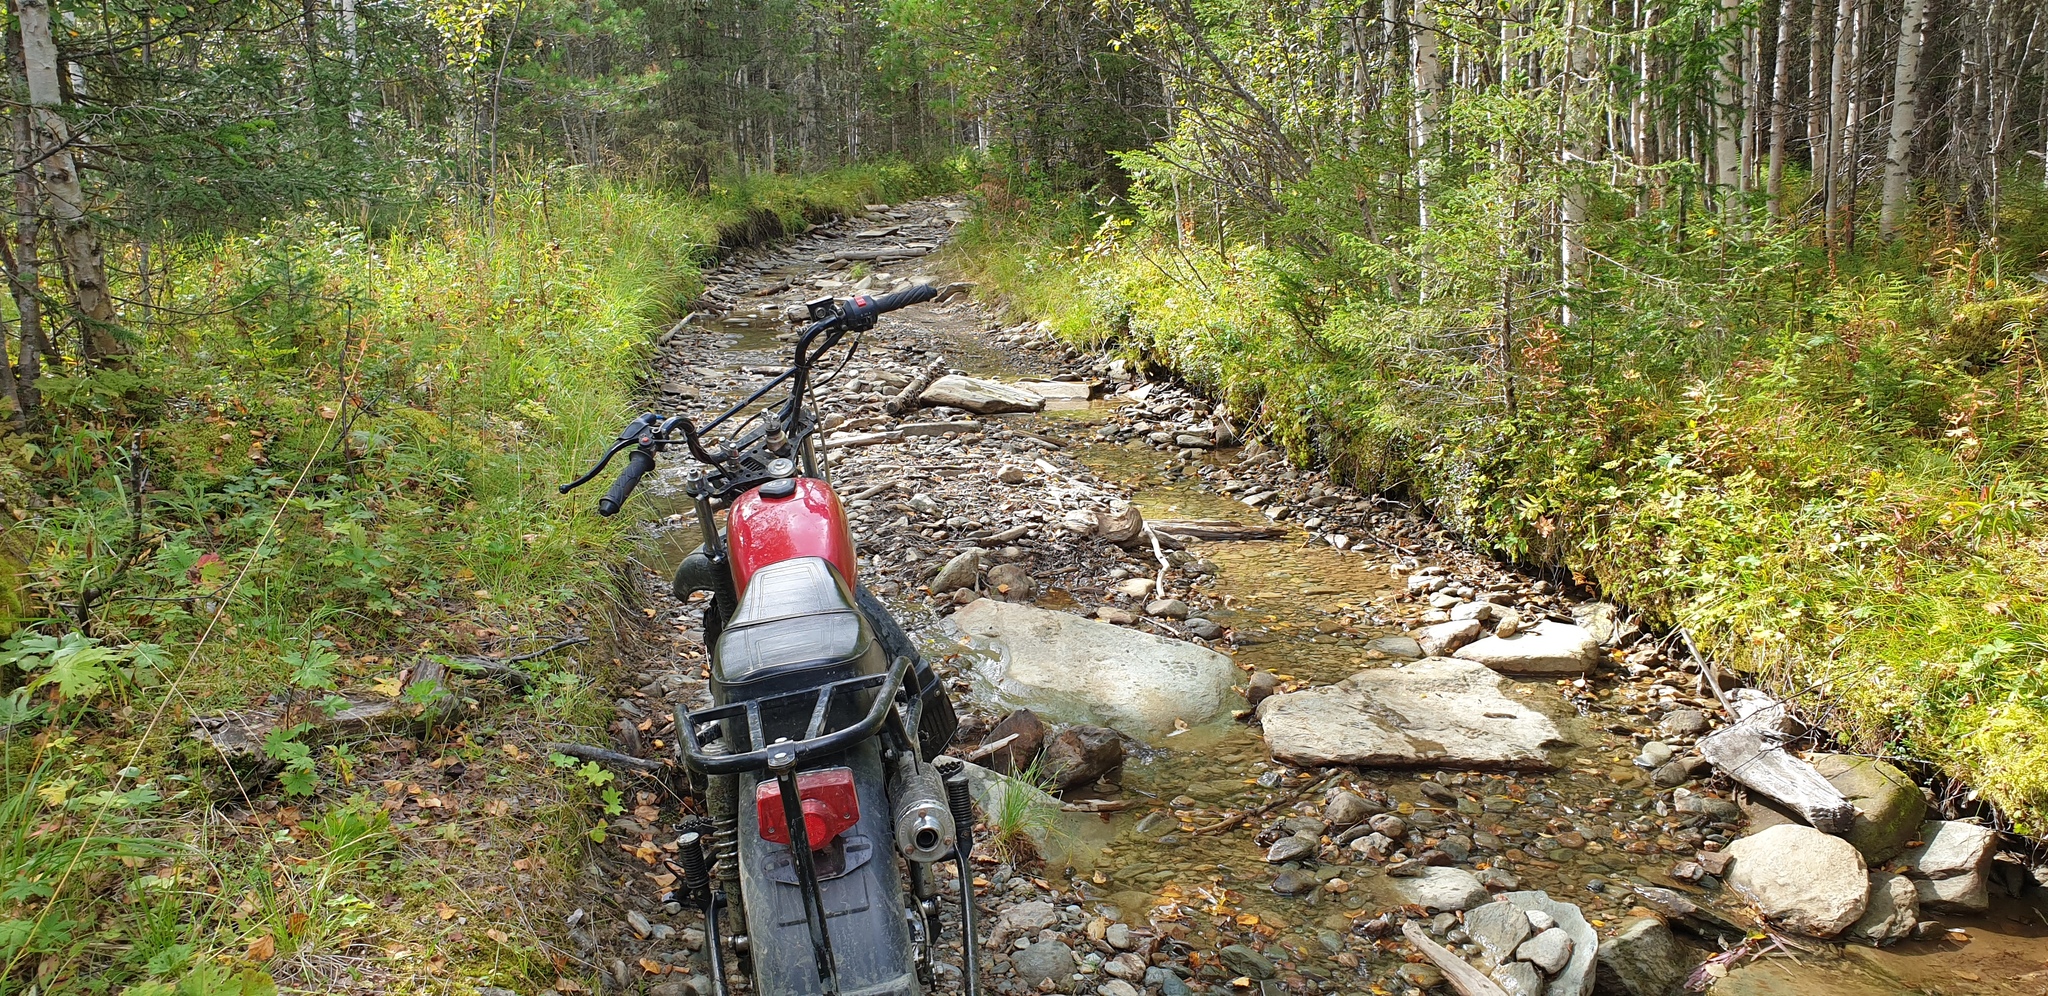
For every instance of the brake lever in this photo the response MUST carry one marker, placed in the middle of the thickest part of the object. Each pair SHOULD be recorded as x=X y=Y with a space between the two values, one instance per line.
x=599 y=469
x=631 y=435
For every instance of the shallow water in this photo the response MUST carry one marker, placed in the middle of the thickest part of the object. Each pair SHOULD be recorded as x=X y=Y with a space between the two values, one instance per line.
x=1308 y=613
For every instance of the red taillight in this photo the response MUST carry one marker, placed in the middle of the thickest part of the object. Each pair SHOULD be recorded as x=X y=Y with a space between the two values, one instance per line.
x=830 y=806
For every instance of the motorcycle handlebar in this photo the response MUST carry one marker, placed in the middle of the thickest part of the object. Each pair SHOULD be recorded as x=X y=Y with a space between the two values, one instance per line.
x=638 y=463
x=863 y=307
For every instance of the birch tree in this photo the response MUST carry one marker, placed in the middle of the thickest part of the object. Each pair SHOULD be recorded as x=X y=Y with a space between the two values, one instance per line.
x=1905 y=102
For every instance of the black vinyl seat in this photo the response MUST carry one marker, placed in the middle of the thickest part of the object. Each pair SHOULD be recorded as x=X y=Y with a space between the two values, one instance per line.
x=795 y=614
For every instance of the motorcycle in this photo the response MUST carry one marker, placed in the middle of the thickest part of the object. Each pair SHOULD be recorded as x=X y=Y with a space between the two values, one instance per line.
x=815 y=758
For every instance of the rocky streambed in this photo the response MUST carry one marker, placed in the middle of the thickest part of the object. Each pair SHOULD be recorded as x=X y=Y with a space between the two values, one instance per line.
x=1301 y=740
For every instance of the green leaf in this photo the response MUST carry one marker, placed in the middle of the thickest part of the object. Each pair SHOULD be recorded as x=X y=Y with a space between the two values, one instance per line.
x=614 y=802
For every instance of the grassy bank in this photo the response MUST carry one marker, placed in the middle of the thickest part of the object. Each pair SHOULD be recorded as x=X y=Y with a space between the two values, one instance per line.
x=334 y=459
x=1829 y=471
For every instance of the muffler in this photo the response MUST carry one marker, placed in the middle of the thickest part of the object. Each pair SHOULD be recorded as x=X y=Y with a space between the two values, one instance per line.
x=924 y=824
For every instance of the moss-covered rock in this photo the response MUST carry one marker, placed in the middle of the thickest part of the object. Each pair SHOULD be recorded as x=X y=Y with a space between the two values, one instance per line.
x=1889 y=807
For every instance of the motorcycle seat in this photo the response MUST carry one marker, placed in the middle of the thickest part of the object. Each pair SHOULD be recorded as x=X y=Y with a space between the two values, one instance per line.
x=795 y=614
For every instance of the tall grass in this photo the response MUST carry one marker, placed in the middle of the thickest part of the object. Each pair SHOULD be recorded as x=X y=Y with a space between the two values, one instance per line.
x=336 y=454
x=1835 y=483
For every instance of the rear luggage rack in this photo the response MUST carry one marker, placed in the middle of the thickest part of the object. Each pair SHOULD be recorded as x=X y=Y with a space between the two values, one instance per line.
x=816 y=740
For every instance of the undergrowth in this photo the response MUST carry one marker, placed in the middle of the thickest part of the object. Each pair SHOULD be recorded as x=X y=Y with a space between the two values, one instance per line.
x=332 y=461
x=1829 y=472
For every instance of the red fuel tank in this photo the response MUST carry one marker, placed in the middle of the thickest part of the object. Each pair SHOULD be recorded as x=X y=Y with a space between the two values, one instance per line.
x=807 y=522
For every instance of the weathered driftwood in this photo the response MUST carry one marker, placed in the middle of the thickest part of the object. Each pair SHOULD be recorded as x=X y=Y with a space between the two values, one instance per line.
x=428 y=695
x=1217 y=529
x=882 y=255
x=907 y=399
x=1012 y=533
x=847 y=441
x=1462 y=976
x=1751 y=753
x=503 y=669
x=613 y=758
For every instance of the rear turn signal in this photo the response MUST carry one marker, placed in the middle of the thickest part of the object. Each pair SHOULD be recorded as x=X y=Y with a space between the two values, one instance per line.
x=830 y=806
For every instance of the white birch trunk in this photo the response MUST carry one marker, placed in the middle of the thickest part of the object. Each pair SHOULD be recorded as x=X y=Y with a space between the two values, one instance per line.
x=1898 y=150
x=58 y=173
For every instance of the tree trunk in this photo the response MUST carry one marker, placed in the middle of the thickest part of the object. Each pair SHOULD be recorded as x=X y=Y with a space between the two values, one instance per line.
x=24 y=271
x=84 y=265
x=1571 y=252
x=1429 y=72
x=1838 y=117
x=1781 y=81
x=1728 y=106
x=1905 y=102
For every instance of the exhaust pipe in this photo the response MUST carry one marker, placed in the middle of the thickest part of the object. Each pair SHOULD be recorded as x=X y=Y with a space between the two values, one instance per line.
x=924 y=824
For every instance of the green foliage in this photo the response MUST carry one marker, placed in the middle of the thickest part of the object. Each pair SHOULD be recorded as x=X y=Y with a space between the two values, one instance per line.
x=1834 y=483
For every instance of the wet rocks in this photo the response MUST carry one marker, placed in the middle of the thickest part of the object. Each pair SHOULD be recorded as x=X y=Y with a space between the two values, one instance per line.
x=1080 y=754
x=1950 y=868
x=982 y=397
x=1641 y=959
x=1029 y=733
x=1347 y=808
x=1070 y=668
x=1293 y=848
x=1167 y=608
x=1801 y=878
x=1056 y=390
x=1261 y=686
x=1890 y=912
x=1399 y=647
x=1436 y=712
x=1548 y=648
x=1204 y=629
x=1683 y=723
x=1889 y=807
x=1246 y=962
x=1441 y=889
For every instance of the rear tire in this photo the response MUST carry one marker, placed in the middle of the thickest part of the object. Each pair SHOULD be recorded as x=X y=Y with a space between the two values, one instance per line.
x=937 y=722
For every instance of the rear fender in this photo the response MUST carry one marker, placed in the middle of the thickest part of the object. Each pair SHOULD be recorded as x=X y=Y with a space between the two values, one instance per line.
x=864 y=907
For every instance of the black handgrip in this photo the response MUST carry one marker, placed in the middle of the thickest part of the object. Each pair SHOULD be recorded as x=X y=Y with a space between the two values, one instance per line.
x=862 y=306
x=638 y=463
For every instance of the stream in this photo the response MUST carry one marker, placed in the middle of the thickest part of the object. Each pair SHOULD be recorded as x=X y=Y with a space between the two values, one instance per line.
x=1588 y=831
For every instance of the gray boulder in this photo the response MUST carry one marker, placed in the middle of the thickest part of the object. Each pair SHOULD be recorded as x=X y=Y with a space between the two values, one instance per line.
x=982 y=397
x=1950 y=869
x=1012 y=583
x=1801 y=878
x=1056 y=390
x=1077 y=670
x=1440 y=889
x=1439 y=712
x=1045 y=960
x=1642 y=959
x=1402 y=647
x=1080 y=754
x=1545 y=913
x=1498 y=929
x=1891 y=911
x=1550 y=950
x=1889 y=807
x=1547 y=648
x=1445 y=638
x=960 y=572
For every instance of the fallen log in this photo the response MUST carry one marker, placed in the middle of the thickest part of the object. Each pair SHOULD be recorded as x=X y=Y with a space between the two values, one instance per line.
x=1751 y=753
x=1462 y=976
x=426 y=697
x=907 y=399
x=852 y=440
x=599 y=755
x=1217 y=529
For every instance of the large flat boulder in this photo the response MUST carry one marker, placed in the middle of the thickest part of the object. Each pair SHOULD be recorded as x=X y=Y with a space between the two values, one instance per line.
x=1072 y=669
x=1436 y=712
x=1801 y=879
x=1547 y=648
x=1950 y=867
x=1889 y=807
x=982 y=397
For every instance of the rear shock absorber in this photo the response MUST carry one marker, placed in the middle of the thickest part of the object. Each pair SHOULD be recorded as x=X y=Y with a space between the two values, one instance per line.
x=962 y=806
x=721 y=802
